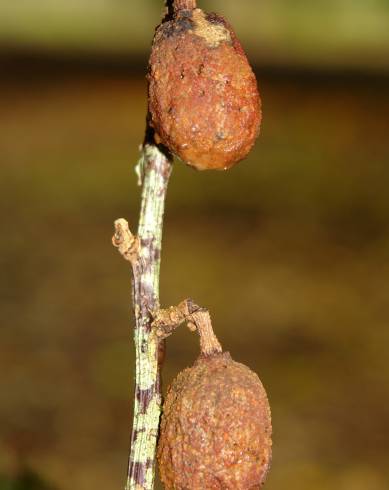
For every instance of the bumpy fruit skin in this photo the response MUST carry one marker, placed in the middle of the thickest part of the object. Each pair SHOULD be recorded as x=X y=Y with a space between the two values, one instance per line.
x=215 y=429
x=204 y=103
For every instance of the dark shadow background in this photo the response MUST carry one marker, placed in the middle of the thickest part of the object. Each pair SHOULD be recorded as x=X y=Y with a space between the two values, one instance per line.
x=289 y=250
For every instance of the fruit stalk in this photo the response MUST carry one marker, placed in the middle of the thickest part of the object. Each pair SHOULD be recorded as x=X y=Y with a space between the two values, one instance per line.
x=197 y=318
x=184 y=5
x=143 y=252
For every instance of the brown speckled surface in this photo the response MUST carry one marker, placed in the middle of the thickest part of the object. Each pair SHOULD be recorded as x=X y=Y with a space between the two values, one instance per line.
x=215 y=428
x=203 y=98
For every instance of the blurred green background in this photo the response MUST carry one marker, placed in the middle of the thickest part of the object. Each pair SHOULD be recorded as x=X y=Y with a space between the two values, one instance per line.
x=289 y=250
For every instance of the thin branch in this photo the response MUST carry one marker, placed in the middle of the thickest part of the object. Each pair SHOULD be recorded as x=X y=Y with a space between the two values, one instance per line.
x=144 y=253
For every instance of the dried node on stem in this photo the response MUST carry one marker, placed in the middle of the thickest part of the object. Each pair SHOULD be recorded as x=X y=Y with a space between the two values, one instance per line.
x=216 y=423
x=125 y=241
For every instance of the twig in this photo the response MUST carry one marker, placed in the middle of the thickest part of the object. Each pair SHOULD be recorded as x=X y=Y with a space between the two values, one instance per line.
x=144 y=252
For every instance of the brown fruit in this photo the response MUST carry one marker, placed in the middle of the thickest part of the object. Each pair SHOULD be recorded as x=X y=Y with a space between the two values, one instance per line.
x=204 y=103
x=216 y=428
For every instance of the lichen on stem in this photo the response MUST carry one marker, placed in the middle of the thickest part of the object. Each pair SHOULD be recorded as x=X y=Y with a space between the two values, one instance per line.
x=143 y=252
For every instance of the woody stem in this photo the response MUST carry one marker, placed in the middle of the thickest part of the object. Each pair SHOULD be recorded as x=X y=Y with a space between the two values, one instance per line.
x=144 y=253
